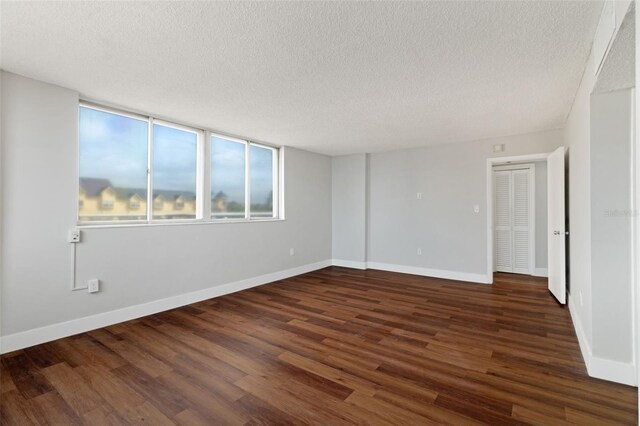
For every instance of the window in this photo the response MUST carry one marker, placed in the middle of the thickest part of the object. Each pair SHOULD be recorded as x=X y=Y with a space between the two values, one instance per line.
x=228 y=186
x=134 y=203
x=175 y=154
x=113 y=158
x=107 y=205
x=137 y=169
x=158 y=203
x=261 y=170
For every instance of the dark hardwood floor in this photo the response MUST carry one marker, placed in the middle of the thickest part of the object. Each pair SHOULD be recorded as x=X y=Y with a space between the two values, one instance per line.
x=332 y=347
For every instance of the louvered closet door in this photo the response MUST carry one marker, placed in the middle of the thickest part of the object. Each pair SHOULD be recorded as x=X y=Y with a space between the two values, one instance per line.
x=512 y=220
x=520 y=184
x=502 y=221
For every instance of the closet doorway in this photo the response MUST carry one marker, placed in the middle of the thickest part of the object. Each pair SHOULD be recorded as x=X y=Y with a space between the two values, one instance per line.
x=514 y=218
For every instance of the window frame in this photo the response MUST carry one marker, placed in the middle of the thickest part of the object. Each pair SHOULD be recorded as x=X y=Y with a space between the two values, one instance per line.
x=203 y=174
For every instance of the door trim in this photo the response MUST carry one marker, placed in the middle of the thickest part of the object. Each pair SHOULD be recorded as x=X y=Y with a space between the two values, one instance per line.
x=489 y=185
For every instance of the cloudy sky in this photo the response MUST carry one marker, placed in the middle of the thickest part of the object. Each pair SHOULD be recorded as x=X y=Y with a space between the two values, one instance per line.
x=115 y=147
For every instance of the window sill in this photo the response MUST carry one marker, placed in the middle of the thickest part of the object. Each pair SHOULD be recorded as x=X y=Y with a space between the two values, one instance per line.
x=172 y=223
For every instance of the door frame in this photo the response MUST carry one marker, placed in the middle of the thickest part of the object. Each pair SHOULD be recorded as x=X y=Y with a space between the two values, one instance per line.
x=531 y=167
x=494 y=161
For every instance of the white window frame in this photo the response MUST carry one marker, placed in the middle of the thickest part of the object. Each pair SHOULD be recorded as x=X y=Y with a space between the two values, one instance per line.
x=203 y=175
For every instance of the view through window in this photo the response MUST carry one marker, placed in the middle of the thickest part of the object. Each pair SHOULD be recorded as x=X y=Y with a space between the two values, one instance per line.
x=174 y=173
x=261 y=171
x=115 y=169
x=228 y=184
x=113 y=166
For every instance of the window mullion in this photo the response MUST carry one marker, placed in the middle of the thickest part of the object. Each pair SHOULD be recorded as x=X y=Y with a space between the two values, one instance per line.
x=204 y=178
x=247 y=182
x=274 y=193
x=280 y=200
x=150 y=171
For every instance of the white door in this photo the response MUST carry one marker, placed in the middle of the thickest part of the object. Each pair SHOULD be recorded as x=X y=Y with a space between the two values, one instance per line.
x=502 y=220
x=513 y=220
x=521 y=221
x=556 y=227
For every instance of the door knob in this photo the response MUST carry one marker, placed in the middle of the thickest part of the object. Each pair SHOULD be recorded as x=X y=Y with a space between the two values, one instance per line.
x=556 y=232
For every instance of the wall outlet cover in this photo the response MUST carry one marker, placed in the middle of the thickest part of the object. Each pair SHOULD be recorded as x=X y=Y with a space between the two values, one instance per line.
x=74 y=236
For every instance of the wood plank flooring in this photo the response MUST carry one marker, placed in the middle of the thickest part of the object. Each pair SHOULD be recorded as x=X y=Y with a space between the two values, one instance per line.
x=332 y=347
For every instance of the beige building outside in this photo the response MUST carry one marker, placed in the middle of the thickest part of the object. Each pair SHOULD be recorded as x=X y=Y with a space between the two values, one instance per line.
x=99 y=200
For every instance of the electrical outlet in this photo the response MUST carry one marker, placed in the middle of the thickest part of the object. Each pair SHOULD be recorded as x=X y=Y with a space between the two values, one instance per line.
x=419 y=196
x=93 y=285
x=476 y=208
x=292 y=252
x=74 y=236
x=419 y=252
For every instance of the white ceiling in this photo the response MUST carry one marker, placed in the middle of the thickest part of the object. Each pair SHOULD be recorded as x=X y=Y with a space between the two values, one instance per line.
x=619 y=68
x=331 y=77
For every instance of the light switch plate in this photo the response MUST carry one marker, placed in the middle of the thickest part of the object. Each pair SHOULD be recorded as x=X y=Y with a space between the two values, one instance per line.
x=93 y=285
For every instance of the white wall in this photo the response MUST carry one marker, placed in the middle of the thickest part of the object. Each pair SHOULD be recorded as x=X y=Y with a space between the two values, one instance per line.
x=349 y=207
x=577 y=134
x=393 y=224
x=452 y=179
x=138 y=264
x=584 y=298
x=636 y=246
x=611 y=204
x=2 y=118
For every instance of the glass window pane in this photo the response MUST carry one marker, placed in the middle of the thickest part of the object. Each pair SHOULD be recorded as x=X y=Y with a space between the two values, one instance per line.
x=175 y=154
x=113 y=166
x=227 y=178
x=261 y=172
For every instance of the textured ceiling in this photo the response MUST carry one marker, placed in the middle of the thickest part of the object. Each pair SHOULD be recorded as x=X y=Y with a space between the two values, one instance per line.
x=619 y=69
x=331 y=77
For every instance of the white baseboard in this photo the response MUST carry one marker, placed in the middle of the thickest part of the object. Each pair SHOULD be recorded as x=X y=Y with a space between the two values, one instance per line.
x=349 y=264
x=25 y=339
x=436 y=273
x=601 y=368
x=540 y=272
